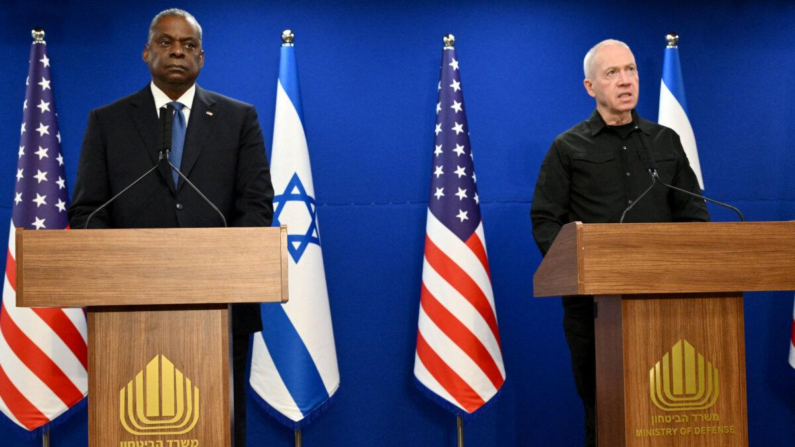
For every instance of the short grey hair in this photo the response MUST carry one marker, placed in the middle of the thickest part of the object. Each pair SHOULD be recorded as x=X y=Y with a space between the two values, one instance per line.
x=590 y=56
x=174 y=12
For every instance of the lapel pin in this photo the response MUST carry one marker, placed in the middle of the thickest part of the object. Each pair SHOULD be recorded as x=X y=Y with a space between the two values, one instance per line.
x=209 y=113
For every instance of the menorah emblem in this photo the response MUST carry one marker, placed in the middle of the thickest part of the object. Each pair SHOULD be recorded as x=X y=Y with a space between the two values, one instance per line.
x=159 y=401
x=683 y=380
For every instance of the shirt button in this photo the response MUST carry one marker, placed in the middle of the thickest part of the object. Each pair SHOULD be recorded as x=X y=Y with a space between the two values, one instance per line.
x=625 y=148
x=629 y=201
x=179 y=206
x=627 y=174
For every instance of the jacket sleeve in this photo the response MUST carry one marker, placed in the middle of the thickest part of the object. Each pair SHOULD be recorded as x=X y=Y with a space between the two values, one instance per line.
x=91 y=187
x=253 y=189
x=550 y=208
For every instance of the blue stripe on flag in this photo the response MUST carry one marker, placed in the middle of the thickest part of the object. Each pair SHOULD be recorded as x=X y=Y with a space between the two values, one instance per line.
x=292 y=359
x=672 y=76
x=288 y=78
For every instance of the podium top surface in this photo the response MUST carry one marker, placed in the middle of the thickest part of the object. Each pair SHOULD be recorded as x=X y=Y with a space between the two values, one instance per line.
x=121 y=267
x=612 y=259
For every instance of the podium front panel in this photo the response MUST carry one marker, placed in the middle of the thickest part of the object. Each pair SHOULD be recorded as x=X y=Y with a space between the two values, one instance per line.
x=159 y=375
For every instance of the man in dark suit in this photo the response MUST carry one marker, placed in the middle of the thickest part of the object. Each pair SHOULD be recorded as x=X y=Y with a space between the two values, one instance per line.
x=222 y=153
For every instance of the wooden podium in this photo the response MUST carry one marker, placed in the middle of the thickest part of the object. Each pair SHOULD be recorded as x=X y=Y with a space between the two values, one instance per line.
x=158 y=321
x=670 y=341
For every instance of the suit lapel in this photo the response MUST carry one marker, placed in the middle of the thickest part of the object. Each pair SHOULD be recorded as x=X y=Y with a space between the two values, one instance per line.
x=199 y=129
x=145 y=118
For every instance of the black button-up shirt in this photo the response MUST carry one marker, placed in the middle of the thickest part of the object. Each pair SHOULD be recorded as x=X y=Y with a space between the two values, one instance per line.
x=593 y=172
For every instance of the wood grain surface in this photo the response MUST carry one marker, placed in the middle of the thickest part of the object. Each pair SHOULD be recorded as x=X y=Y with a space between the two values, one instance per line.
x=669 y=258
x=641 y=329
x=125 y=339
x=80 y=268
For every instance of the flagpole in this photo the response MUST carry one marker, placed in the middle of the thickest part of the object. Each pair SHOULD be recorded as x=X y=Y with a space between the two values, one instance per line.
x=45 y=437
x=460 y=421
x=38 y=38
x=298 y=438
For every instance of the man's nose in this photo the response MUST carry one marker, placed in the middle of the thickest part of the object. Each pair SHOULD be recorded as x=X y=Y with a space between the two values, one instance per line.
x=176 y=50
x=623 y=77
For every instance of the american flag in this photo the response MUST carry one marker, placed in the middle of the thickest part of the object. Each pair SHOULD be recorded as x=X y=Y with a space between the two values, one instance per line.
x=458 y=357
x=42 y=351
x=792 y=342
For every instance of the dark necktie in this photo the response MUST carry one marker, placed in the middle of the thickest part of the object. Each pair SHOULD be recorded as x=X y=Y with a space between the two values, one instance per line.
x=177 y=138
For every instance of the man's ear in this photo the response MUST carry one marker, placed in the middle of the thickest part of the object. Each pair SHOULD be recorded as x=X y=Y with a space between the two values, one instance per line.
x=145 y=55
x=589 y=87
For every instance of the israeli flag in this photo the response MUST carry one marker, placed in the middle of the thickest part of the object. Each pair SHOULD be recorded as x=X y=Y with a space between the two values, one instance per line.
x=294 y=371
x=673 y=108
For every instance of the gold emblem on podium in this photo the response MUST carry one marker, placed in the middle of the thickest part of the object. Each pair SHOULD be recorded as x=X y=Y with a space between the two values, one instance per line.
x=683 y=380
x=159 y=401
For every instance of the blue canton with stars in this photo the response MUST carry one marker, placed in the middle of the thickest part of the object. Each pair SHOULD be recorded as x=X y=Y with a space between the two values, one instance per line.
x=40 y=196
x=454 y=196
x=295 y=192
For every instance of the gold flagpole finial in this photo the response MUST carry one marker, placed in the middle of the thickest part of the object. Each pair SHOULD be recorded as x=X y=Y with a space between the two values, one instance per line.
x=673 y=39
x=449 y=41
x=38 y=35
x=288 y=37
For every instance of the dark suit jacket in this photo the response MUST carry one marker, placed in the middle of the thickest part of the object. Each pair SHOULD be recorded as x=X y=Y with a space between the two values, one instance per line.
x=224 y=156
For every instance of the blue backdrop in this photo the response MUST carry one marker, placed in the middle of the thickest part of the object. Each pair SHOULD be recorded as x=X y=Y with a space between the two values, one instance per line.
x=368 y=75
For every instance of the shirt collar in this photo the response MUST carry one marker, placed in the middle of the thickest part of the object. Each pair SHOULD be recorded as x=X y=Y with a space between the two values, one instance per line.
x=161 y=99
x=597 y=123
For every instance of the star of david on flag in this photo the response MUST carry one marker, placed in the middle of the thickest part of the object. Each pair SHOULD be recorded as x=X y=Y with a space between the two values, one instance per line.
x=458 y=360
x=294 y=372
x=295 y=192
x=43 y=352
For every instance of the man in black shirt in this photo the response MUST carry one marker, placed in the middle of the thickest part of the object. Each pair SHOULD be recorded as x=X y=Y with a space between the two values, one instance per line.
x=593 y=172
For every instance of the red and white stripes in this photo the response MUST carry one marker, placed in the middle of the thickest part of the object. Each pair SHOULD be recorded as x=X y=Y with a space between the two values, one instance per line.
x=792 y=341
x=458 y=355
x=43 y=356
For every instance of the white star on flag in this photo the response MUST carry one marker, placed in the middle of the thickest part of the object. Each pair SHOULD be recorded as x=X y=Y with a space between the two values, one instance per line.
x=40 y=200
x=462 y=215
x=456 y=106
x=461 y=194
x=438 y=150
x=39 y=223
x=456 y=86
x=477 y=199
x=59 y=158
x=458 y=128
x=44 y=106
x=17 y=198
x=439 y=193
x=438 y=128
x=42 y=152
x=459 y=149
x=61 y=183
x=460 y=171
x=23 y=129
x=61 y=206
x=43 y=129
x=21 y=151
x=25 y=105
x=19 y=174
x=59 y=137
x=438 y=171
x=45 y=84
x=41 y=176
x=438 y=107
x=45 y=60
x=454 y=64
x=474 y=178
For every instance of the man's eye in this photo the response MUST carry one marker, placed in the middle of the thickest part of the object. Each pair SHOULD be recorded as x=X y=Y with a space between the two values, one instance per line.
x=190 y=45
x=164 y=43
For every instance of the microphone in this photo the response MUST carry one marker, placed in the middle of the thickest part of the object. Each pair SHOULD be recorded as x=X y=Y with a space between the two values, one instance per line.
x=653 y=171
x=654 y=177
x=166 y=151
x=165 y=127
